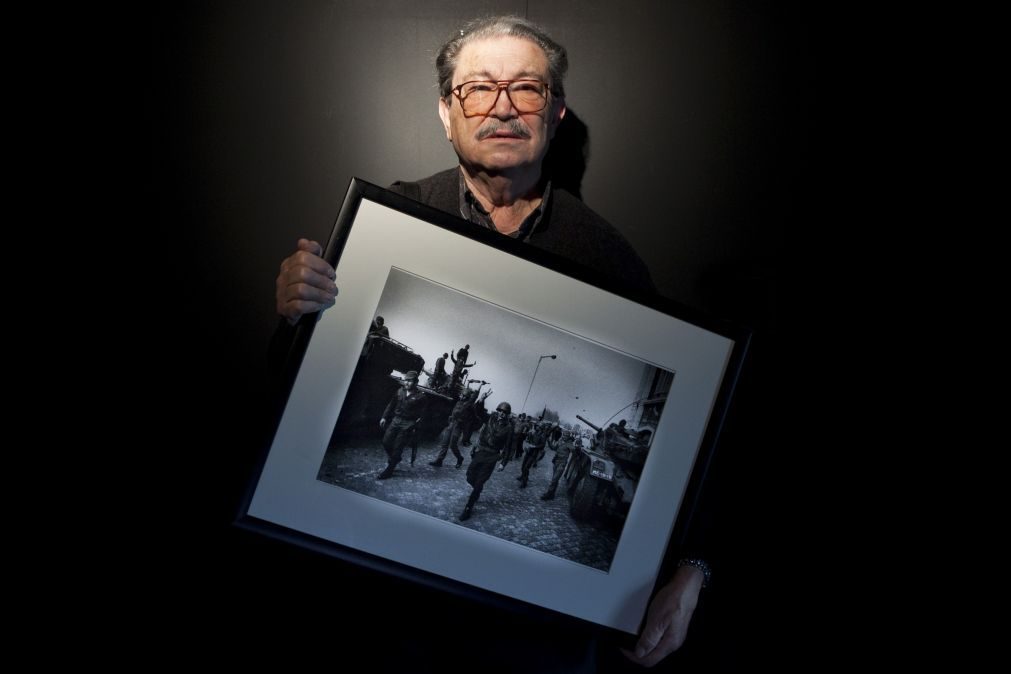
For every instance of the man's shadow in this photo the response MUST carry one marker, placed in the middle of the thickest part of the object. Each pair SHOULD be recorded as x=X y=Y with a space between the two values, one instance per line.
x=568 y=154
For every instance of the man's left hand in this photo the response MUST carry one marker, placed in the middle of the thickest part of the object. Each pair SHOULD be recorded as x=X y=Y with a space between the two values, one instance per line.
x=668 y=617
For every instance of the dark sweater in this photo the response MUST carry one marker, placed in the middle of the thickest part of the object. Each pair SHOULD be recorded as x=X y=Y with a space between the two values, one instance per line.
x=569 y=228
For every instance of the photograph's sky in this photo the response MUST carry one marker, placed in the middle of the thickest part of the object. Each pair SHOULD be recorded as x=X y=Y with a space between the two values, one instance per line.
x=585 y=378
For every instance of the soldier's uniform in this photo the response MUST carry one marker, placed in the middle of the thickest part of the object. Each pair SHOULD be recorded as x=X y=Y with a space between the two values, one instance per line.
x=563 y=448
x=402 y=413
x=439 y=372
x=533 y=445
x=492 y=446
x=459 y=419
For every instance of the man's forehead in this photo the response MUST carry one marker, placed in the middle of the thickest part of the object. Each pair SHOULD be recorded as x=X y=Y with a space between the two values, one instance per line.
x=501 y=58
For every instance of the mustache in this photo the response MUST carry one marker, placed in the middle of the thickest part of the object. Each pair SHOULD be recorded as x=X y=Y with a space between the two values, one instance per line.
x=513 y=126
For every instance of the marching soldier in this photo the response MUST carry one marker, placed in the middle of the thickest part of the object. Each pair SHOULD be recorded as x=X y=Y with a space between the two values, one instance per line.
x=492 y=446
x=534 y=446
x=404 y=412
x=562 y=449
x=460 y=418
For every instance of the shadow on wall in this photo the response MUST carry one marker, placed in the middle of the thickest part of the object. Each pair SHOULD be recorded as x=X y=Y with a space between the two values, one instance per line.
x=567 y=155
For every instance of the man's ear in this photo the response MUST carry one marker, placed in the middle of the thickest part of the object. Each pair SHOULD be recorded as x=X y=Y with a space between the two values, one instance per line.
x=444 y=116
x=557 y=115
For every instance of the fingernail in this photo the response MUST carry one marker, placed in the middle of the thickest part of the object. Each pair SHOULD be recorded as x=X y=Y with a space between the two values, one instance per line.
x=333 y=288
x=332 y=274
x=640 y=651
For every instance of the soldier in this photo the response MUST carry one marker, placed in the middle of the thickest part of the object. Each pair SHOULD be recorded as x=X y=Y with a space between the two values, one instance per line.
x=459 y=362
x=534 y=446
x=493 y=444
x=519 y=434
x=439 y=371
x=480 y=414
x=460 y=418
x=562 y=449
x=406 y=408
x=379 y=328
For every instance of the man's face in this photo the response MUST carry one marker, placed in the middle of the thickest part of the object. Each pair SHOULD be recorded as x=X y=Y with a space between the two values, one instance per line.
x=409 y=384
x=503 y=139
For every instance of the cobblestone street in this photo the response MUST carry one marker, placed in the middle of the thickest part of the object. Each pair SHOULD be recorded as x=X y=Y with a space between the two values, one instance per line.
x=504 y=510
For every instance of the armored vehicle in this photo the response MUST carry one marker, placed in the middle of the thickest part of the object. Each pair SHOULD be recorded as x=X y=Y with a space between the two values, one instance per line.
x=604 y=476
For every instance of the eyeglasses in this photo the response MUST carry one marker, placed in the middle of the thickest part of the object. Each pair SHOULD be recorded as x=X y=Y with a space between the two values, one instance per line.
x=479 y=97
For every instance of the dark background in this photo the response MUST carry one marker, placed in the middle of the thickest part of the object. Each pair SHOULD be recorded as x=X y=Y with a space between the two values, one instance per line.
x=698 y=122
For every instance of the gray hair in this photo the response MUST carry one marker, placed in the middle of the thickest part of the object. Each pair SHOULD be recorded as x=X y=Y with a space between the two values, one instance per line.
x=501 y=26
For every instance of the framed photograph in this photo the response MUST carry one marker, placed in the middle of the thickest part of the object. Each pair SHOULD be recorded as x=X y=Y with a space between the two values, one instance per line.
x=480 y=415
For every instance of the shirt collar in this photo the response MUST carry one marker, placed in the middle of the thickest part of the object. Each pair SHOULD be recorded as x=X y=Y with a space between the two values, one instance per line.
x=472 y=211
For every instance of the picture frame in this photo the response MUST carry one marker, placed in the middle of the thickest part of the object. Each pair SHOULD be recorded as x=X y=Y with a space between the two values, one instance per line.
x=564 y=347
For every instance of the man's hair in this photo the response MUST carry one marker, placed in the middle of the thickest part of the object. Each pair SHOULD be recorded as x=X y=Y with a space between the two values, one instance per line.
x=501 y=26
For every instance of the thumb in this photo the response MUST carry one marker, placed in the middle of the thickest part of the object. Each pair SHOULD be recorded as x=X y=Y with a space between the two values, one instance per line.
x=650 y=638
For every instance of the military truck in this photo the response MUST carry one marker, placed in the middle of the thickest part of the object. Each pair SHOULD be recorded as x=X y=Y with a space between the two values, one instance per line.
x=604 y=476
x=378 y=375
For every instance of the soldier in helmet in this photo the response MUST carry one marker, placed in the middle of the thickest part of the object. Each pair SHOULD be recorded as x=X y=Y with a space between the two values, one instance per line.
x=404 y=412
x=562 y=449
x=492 y=446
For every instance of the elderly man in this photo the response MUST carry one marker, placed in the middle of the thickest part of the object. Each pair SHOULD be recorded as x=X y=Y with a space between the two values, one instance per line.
x=502 y=98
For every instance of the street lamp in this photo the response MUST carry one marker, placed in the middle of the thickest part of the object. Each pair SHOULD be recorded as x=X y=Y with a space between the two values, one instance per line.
x=524 y=409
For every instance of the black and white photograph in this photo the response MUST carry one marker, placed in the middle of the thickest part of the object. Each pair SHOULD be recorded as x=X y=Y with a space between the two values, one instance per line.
x=470 y=412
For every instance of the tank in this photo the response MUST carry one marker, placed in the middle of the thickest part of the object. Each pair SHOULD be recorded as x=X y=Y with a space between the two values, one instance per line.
x=603 y=476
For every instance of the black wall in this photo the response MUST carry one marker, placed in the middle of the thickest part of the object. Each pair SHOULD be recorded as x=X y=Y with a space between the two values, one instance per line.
x=697 y=115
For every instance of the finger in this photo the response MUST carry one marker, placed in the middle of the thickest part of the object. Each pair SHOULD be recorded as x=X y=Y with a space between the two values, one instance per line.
x=295 y=309
x=650 y=637
x=310 y=246
x=305 y=276
x=309 y=260
x=305 y=293
x=665 y=647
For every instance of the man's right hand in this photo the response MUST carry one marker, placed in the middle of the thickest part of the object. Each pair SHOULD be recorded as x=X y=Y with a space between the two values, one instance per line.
x=305 y=283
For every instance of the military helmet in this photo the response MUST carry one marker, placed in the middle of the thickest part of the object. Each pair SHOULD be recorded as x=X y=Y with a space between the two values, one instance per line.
x=412 y=374
x=504 y=407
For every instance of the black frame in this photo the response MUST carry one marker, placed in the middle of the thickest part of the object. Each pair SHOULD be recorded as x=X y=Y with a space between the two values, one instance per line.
x=357 y=192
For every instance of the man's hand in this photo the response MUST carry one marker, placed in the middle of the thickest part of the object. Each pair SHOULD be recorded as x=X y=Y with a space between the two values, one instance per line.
x=305 y=283
x=382 y=423
x=668 y=617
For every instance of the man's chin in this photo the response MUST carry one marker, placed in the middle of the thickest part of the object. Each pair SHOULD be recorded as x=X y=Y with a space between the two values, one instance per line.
x=505 y=162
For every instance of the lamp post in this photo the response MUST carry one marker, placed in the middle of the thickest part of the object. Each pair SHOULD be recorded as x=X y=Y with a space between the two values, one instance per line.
x=524 y=409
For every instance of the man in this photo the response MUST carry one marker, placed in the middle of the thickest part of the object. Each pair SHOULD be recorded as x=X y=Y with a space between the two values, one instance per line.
x=534 y=445
x=459 y=363
x=459 y=418
x=492 y=446
x=402 y=415
x=439 y=371
x=501 y=100
x=379 y=328
x=478 y=417
x=563 y=447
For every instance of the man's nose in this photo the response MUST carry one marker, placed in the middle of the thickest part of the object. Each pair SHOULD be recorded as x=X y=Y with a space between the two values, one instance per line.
x=503 y=108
